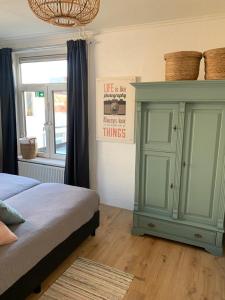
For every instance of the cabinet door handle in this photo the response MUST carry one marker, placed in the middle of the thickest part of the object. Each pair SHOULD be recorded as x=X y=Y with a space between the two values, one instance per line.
x=184 y=164
x=151 y=225
x=198 y=236
x=171 y=186
x=175 y=128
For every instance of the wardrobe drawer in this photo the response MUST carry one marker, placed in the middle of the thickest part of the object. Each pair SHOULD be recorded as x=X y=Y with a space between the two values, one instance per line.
x=177 y=230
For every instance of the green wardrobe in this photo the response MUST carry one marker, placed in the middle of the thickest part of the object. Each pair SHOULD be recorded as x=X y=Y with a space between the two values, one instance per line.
x=180 y=162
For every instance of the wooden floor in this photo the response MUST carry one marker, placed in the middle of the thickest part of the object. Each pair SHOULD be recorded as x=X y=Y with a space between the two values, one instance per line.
x=162 y=269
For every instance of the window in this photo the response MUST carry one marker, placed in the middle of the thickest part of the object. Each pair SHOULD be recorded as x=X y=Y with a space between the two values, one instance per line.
x=35 y=117
x=43 y=105
x=60 y=128
x=44 y=72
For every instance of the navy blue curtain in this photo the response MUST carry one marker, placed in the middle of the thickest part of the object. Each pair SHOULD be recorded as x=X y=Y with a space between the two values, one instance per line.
x=8 y=113
x=77 y=160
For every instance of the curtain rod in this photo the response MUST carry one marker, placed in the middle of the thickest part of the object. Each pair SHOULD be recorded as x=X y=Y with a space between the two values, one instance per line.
x=49 y=47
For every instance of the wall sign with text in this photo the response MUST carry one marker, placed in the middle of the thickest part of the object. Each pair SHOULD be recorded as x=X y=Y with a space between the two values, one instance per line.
x=115 y=107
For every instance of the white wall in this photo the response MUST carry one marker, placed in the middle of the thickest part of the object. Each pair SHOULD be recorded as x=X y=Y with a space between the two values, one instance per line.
x=138 y=52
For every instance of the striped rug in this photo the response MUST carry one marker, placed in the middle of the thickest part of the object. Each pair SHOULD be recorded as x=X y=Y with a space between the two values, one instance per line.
x=89 y=280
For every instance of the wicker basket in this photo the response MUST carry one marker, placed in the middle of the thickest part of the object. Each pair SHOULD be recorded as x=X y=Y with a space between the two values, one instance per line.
x=183 y=65
x=214 y=63
x=28 y=151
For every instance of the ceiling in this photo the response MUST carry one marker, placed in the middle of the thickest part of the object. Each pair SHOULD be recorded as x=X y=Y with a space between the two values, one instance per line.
x=17 y=20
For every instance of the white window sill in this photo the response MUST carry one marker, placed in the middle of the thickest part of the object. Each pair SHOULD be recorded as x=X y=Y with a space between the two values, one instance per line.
x=44 y=161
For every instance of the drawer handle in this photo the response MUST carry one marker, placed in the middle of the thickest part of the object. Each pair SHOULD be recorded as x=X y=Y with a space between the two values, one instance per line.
x=151 y=225
x=175 y=128
x=198 y=236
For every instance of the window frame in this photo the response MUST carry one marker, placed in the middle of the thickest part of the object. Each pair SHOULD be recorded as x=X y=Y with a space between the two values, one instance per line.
x=54 y=87
x=48 y=89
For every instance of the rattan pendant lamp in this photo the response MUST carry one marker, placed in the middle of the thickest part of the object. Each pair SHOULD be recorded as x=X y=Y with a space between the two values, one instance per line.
x=65 y=13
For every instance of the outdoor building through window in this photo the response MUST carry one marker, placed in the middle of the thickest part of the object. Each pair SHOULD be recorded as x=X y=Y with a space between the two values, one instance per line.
x=43 y=99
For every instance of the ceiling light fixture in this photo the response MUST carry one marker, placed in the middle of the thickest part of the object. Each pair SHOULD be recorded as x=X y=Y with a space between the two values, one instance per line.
x=65 y=13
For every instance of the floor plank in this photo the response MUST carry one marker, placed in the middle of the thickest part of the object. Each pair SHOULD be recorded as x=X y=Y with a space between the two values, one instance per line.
x=163 y=269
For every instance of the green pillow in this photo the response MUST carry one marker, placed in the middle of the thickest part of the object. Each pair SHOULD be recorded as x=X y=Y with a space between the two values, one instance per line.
x=9 y=215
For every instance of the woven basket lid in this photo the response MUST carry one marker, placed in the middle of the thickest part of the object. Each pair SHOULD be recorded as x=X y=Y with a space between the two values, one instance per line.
x=183 y=54
x=214 y=52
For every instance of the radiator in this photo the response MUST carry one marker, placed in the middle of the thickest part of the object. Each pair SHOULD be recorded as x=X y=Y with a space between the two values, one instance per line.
x=41 y=172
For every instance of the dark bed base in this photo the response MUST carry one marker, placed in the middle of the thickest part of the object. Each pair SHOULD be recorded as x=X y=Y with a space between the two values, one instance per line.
x=32 y=280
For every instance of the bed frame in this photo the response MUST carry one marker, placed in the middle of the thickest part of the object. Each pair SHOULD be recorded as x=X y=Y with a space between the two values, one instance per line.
x=31 y=281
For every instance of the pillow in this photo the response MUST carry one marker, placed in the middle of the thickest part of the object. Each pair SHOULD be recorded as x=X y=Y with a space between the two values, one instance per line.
x=6 y=235
x=9 y=215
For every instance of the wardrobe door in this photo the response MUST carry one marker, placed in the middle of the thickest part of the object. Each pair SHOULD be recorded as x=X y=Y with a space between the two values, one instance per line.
x=157 y=184
x=160 y=125
x=202 y=161
x=158 y=146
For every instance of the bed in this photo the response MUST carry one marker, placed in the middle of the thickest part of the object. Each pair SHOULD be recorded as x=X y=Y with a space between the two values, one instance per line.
x=11 y=185
x=58 y=218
